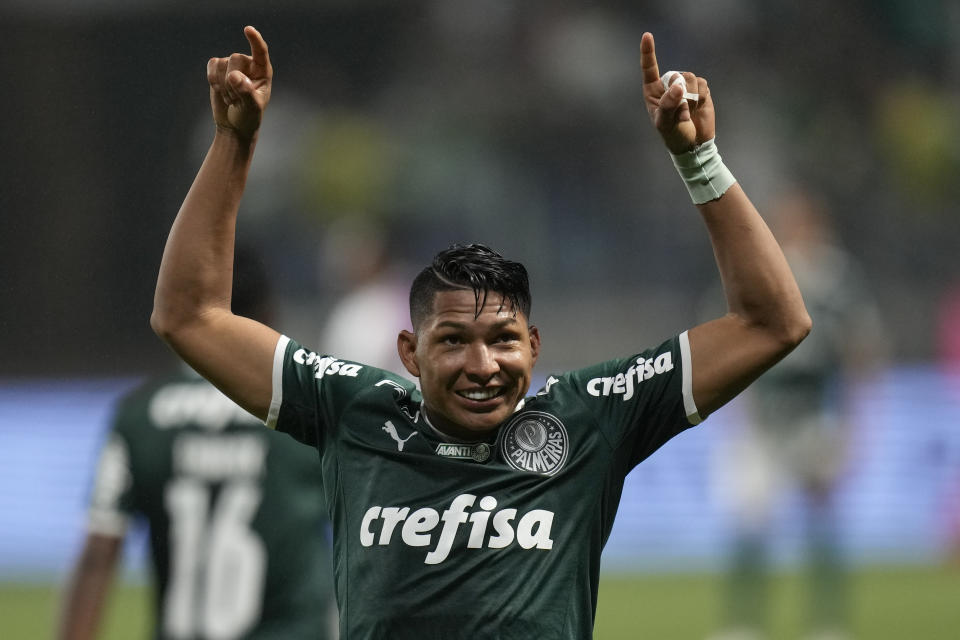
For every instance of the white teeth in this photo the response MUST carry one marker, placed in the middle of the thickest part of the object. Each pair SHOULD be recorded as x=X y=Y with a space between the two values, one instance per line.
x=479 y=394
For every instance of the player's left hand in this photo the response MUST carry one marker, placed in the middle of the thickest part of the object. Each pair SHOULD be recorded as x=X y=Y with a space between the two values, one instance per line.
x=240 y=87
x=682 y=123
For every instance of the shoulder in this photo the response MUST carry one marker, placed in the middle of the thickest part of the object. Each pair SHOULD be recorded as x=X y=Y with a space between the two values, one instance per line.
x=334 y=370
x=619 y=376
x=180 y=400
x=135 y=403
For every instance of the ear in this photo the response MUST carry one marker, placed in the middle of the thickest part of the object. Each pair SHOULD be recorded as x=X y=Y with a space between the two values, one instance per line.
x=407 y=348
x=534 y=342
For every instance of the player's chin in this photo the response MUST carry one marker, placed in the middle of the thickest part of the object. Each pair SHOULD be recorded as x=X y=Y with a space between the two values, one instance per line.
x=485 y=420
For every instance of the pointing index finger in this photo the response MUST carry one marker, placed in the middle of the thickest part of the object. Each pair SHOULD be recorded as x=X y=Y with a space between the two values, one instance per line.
x=258 y=47
x=648 y=59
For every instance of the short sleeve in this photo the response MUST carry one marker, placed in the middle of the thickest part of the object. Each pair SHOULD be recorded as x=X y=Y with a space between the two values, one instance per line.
x=641 y=401
x=311 y=391
x=111 y=503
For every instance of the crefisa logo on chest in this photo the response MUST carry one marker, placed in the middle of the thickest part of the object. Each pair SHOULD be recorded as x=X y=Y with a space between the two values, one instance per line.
x=535 y=441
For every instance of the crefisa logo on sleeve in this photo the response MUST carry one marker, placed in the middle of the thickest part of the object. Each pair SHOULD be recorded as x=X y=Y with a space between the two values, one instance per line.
x=535 y=441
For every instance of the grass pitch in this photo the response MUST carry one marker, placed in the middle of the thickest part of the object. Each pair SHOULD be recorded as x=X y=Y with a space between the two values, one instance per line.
x=887 y=604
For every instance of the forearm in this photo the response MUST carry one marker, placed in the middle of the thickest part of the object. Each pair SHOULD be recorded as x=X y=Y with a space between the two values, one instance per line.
x=759 y=287
x=196 y=270
x=86 y=593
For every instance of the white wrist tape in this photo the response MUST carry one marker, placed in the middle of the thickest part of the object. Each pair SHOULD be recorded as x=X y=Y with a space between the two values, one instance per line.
x=678 y=79
x=703 y=171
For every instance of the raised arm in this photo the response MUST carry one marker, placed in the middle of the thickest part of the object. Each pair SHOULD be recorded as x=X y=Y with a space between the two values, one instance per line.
x=191 y=308
x=766 y=316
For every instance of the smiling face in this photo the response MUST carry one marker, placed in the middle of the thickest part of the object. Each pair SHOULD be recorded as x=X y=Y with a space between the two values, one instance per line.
x=473 y=368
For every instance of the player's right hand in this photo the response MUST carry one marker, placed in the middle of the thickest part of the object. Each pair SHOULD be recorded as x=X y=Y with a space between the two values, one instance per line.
x=240 y=87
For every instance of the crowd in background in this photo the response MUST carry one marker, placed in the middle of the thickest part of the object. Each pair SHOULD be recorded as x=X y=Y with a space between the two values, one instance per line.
x=399 y=128
x=515 y=124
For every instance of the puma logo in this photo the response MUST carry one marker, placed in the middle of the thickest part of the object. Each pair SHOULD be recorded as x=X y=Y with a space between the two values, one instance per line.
x=392 y=432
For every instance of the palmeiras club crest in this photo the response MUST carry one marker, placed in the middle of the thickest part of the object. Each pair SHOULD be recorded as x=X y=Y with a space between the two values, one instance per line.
x=535 y=441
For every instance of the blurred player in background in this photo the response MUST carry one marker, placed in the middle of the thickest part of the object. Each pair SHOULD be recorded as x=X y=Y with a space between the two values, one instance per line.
x=468 y=509
x=357 y=257
x=236 y=512
x=797 y=432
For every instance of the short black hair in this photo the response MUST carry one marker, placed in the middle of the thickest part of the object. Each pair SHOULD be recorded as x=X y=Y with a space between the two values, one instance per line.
x=473 y=266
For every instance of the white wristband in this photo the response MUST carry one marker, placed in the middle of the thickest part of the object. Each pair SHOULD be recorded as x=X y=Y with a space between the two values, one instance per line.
x=678 y=79
x=703 y=171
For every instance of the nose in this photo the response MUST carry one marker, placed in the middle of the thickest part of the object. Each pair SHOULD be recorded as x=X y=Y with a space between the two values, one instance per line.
x=480 y=365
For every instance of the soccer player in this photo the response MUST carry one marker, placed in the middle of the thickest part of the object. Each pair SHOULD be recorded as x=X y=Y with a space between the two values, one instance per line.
x=471 y=510
x=238 y=527
x=798 y=429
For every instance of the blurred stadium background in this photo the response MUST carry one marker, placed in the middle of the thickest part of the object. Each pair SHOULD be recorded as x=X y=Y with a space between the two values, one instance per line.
x=518 y=124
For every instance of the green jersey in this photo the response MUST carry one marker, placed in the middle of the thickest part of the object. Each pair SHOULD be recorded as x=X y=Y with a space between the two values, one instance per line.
x=238 y=528
x=499 y=540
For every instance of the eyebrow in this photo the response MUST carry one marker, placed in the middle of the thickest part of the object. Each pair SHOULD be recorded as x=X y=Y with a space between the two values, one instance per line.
x=499 y=324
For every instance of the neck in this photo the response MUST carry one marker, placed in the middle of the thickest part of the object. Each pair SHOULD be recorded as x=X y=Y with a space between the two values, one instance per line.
x=469 y=438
